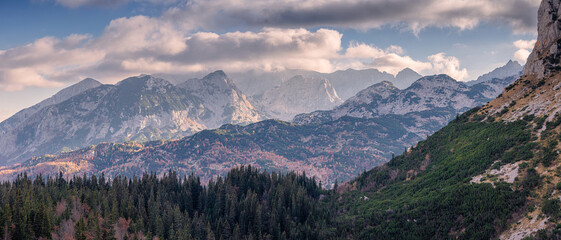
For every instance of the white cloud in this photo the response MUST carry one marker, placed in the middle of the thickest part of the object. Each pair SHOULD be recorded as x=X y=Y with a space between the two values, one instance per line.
x=19 y=78
x=525 y=44
x=136 y=45
x=524 y=48
x=392 y=60
x=448 y=65
x=39 y=63
x=140 y=35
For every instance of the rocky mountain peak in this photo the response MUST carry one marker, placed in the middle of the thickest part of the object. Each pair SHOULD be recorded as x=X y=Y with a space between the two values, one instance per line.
x=406 y=77
x=61 y=96
x=512 y=63
x=88 y=82
x=385 y=84
x=225 y=103
x=437 y=81
x=547 y=51
x=218 y=79
x=383 y=88
x=406 y=71
x=143 y=82
x=511 y=68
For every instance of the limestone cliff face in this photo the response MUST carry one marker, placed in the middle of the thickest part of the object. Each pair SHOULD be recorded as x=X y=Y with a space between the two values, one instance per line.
x=547 y=52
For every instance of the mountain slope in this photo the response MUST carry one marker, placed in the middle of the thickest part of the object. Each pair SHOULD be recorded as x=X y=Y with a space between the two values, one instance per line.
x=59 y=97
x=429 y=191
x=492 y=173
x=349 y=82
x=337 y=150
x=380 y=121
x=136 y=108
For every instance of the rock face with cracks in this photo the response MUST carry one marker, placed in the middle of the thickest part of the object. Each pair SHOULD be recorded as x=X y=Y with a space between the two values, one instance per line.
x=546 y=54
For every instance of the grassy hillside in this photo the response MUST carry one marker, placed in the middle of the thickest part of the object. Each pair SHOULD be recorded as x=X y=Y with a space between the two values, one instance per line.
x=427 y=193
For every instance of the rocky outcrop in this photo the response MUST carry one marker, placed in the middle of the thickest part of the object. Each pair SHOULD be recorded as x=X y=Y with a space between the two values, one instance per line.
x=537 y=91
x=546 y=55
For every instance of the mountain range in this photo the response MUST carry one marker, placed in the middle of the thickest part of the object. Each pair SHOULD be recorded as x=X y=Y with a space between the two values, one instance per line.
x=430 y=102
x=363 y=132
x=345 y=82
x=139 y=108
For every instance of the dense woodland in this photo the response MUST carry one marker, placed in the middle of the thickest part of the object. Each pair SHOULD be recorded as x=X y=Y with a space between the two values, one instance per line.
x=425 y=193
x=246 y=204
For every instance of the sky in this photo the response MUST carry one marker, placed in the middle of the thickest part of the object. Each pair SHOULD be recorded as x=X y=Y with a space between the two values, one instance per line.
x=46 y=45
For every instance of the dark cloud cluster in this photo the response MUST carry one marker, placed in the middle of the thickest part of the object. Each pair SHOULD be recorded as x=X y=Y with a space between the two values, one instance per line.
x=361 y=14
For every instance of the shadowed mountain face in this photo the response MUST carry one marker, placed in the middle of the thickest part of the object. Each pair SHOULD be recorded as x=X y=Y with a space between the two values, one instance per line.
x=138 y=108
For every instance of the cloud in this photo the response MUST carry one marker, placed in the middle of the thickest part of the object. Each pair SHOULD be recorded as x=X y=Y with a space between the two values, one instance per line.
x=19 y=78
x=140 y=44
x=98 y=3
x=448 y=65
x=271 y=48
x=140 y=35
x=520 y=15
x=392 y=60
x=39 y=63
x=107 y=3
x=524 y=49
